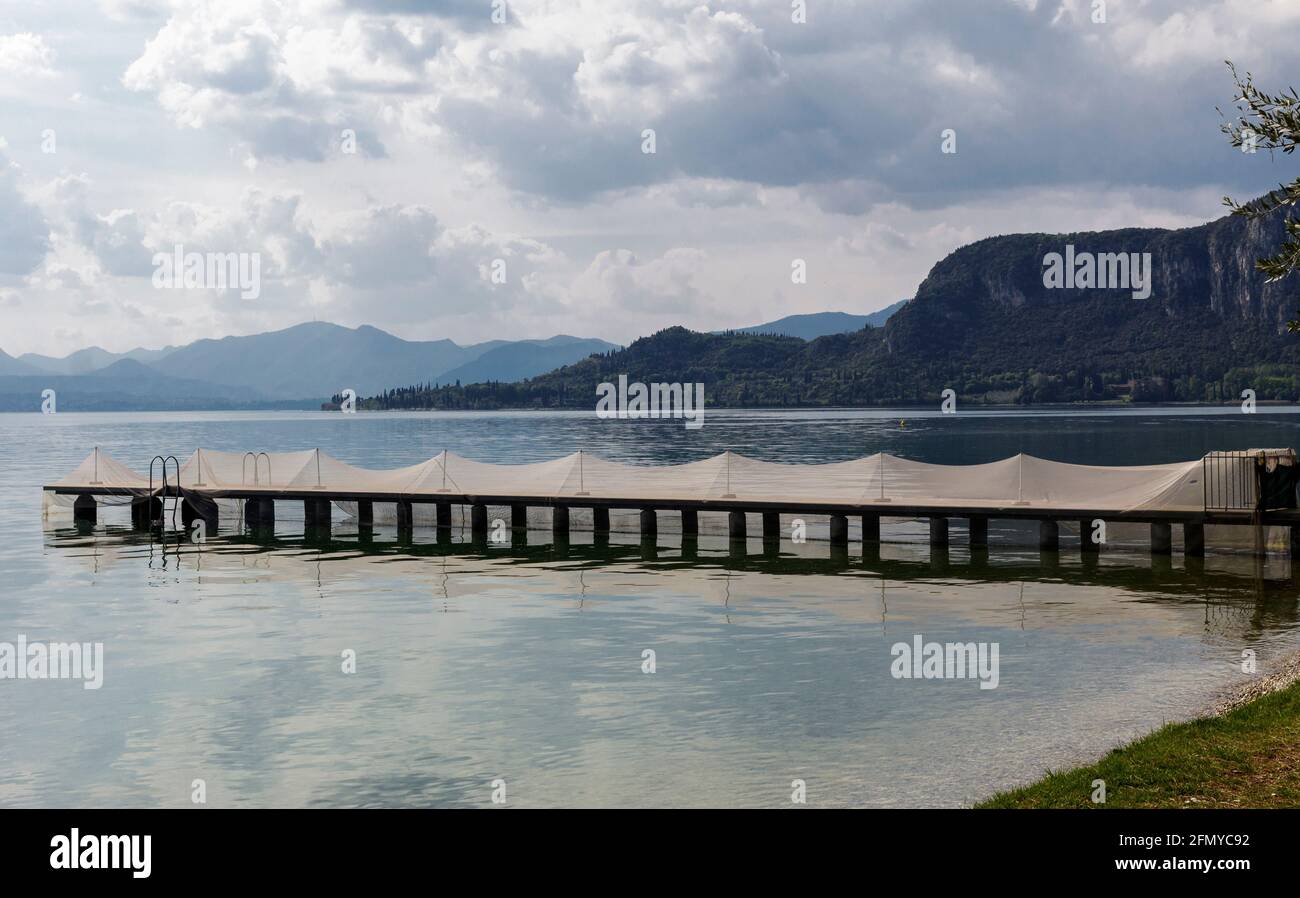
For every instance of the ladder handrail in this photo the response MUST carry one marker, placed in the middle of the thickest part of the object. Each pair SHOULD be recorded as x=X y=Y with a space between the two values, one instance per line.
x=243 y=468
x=163 y=498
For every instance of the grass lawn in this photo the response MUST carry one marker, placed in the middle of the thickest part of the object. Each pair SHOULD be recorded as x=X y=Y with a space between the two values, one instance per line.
x=1248 y=758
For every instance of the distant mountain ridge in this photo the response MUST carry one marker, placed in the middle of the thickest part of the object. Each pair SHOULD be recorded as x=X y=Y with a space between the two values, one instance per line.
x=517 y=361
x=12 y=366
x=92 y=358
x=820 y=324
x=306 y=363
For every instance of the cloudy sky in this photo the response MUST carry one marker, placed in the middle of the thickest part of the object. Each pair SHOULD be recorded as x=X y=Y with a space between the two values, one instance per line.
x=381 y=155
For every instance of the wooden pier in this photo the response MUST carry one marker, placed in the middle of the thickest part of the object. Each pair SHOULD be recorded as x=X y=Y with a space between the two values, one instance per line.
x=198 y=489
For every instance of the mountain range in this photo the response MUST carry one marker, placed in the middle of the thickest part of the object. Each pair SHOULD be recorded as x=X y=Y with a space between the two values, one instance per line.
x=820 y=324
x=300 y=366
x=986 y=324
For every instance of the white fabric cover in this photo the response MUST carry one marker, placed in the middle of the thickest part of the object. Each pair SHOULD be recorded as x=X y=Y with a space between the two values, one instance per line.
x=1021 y=480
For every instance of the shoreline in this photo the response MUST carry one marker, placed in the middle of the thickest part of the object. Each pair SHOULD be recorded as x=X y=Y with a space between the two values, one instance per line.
x=1241 y=750
x=1234 y=697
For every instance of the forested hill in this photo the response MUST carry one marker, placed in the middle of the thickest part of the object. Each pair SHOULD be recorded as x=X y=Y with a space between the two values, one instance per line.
x=984 y=325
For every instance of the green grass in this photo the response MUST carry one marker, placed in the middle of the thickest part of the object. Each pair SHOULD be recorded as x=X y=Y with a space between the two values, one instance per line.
x=1248 y=758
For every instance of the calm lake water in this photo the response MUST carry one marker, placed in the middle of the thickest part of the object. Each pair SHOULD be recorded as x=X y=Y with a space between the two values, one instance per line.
x=223 y=662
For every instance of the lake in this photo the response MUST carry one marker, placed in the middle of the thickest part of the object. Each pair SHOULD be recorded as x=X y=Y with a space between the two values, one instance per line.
x=522 y=670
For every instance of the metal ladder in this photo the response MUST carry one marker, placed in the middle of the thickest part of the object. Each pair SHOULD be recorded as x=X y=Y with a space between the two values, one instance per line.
x=176 y=500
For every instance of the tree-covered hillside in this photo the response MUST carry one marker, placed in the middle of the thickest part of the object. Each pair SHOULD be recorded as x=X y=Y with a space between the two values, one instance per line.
x=984 y=325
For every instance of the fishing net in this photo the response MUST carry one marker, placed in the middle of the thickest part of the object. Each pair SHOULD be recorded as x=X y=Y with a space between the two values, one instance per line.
x=880 y=479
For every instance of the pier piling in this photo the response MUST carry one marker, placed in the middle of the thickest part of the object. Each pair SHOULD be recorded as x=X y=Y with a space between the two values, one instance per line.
x=839 y=530
x=600 y=520
x=317 y=514
x=939 y=532
x=143 y=514
x=560 y=523
x=478 y=522
x=259 y=513
x=518 y=517
x=196 y=509
x=649 y=524
x=1087 y=545
x=870 y=528
x=406 y=519
x=1194 y=540
x=771 y=527
x=736 y=525
x=85 y=510
x=1162 y=539
x=979 y=532
x=690 y=523
x=1049 y=536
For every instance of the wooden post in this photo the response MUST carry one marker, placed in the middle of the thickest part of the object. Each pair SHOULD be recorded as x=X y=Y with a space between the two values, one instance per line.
x=560 y=523
x=771 y=527
x=1049 y=536
x=1086 y=544
x=317 y=513
x=259 y=513
x=478 y=523
x=1162 y=539
x=365 y=513
x=1194 y=539
x=85 y=510
x=736 y=525
x=871 y=528
x=979 y=532
x=144 y=513
x=839 y=530
x=406 y=518
x=690 y=522
x=938 y=531
x=518 y=517
x=649 y=523
x=192 y=510
x=443 y=511
x=600 y=519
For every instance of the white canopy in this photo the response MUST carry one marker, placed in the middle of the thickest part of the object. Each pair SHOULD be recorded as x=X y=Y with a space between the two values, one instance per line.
x=1020 y=480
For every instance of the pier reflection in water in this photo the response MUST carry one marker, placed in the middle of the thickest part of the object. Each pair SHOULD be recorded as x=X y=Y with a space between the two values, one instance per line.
x=522 y=660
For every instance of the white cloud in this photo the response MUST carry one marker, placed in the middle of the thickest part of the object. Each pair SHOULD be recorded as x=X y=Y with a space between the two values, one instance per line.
x=25 y=55
x=24 y=233
x=619 y=282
